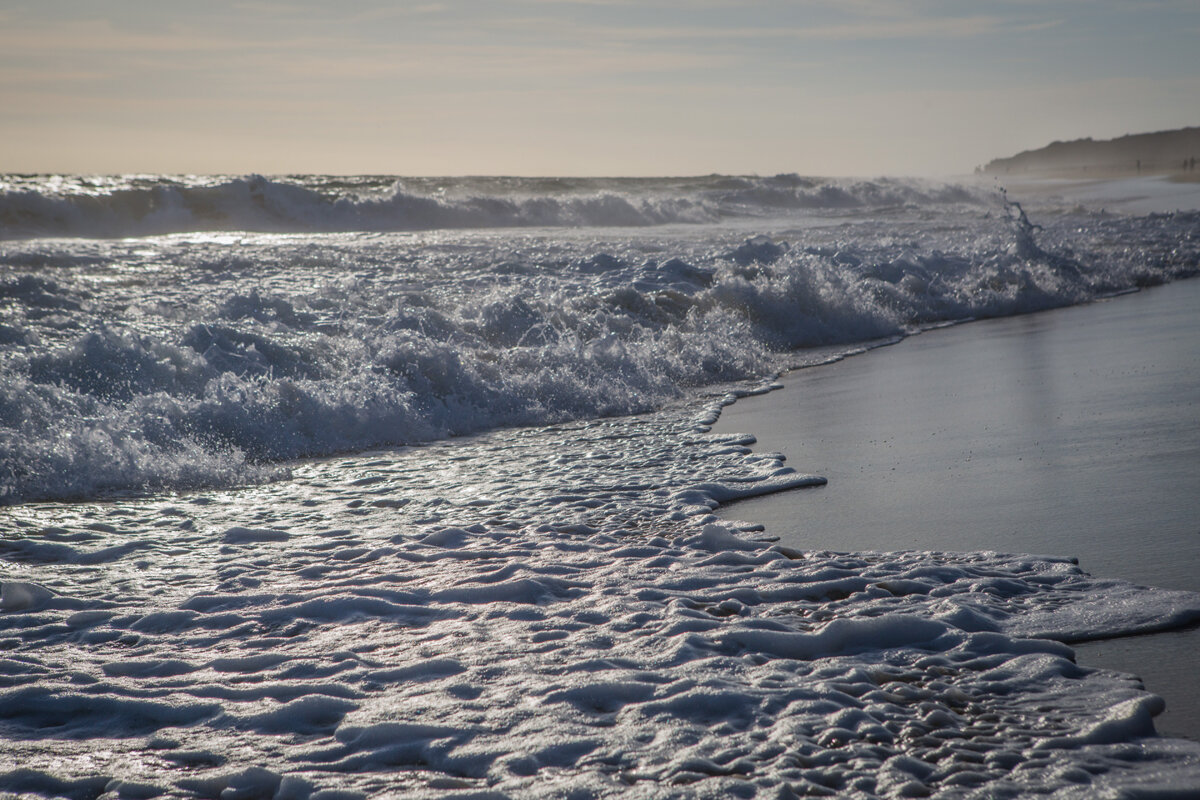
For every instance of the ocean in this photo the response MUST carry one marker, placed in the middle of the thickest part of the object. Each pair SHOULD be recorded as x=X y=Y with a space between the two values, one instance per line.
x=332 y=487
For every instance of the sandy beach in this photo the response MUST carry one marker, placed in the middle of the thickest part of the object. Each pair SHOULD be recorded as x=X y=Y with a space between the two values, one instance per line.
x=1073 y=432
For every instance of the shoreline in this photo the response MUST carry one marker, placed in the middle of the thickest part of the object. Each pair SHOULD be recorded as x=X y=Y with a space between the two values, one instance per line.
x=1020 y=452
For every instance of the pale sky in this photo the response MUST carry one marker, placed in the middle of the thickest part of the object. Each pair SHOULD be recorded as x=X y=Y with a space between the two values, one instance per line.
x=582 y=87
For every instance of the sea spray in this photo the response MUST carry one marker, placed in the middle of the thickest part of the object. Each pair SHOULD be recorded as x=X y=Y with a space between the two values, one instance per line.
x=550 y=608
x=149 y=205
x=203 y=359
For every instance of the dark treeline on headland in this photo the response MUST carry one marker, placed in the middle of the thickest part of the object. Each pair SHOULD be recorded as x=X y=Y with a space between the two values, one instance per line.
x=1175 y=153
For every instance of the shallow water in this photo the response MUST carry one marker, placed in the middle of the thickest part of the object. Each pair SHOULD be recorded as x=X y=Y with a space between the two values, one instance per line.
x=1166 y=664
x=431 y=514
x=539 y=610
x=1074 y=432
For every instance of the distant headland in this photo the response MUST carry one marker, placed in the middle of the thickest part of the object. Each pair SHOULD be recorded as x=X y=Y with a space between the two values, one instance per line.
x=1174 y=153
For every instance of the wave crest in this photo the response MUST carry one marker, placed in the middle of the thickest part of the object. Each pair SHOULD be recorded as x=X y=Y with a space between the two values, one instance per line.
x=118 y=207
x=175 y=362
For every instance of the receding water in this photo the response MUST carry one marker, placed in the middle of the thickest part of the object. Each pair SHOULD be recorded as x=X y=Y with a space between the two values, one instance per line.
x=1073 y=432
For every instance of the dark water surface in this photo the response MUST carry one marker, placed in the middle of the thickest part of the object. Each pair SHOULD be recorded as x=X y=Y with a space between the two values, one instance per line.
x=1072 y=432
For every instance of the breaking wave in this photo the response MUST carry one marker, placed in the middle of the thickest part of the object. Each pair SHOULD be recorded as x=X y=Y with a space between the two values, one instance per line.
x=201 y=360
x=144 y=206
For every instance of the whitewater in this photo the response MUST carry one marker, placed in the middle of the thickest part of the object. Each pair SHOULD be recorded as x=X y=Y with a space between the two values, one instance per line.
x=344 y=487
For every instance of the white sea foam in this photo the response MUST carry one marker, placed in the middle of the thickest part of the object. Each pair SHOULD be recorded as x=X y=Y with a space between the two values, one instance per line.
x=200 y=360
x=146 y=205
x=549 y=609
x=550 y=612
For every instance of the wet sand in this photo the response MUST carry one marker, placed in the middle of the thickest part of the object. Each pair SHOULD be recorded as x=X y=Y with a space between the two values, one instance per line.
x=1072 y=432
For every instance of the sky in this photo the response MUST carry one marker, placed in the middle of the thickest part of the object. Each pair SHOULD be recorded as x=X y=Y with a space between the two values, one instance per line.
x=582 y=87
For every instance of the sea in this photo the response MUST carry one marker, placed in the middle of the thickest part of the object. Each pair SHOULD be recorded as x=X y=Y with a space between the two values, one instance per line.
x=339 y=487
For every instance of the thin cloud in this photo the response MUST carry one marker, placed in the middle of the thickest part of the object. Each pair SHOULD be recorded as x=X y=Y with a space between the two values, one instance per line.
x=100 y=36
x=939 y=28
x=943 y=27
x=642 y=4
x=400 y=12
x=442 y=61
x=30 y=76
x=874 y=29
